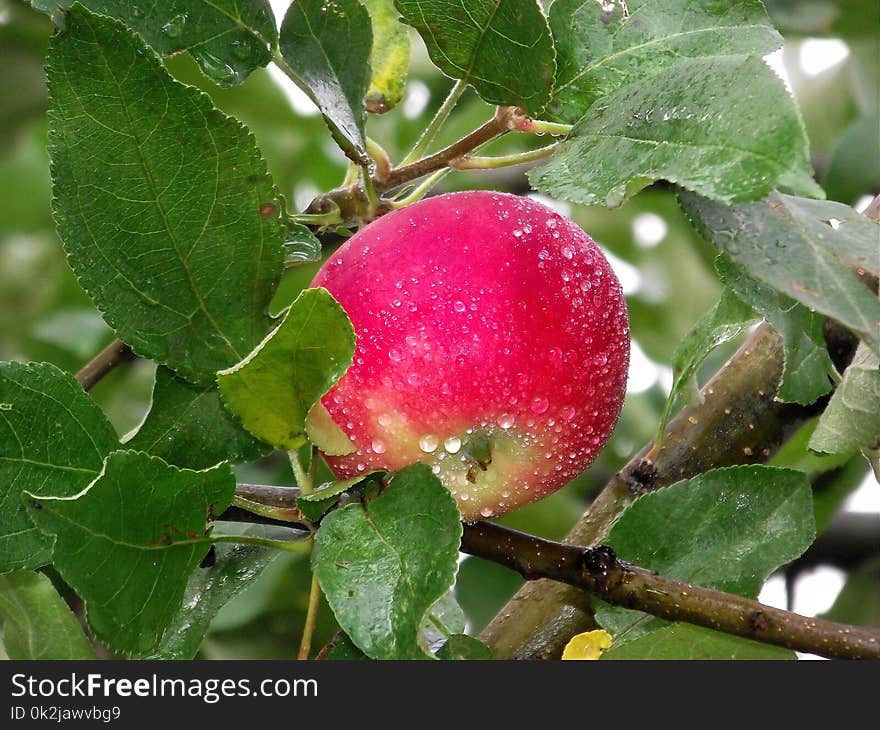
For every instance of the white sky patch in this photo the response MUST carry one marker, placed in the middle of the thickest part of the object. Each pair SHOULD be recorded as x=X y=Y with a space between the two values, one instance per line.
x=303 y=194
x=416 y=99
x=816 y=589
x=817 y=55
x=301 y=103
x=649 y=229
x=775 y=62
x=862 y=203
x=629 y=276
x=643 y=372
x=560 y=206
x=866 y=498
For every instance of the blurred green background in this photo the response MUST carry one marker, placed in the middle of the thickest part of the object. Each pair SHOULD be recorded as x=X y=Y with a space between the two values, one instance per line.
x=665 y=268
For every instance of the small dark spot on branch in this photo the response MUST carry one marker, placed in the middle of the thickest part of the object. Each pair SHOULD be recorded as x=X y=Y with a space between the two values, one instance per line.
x=758 y=622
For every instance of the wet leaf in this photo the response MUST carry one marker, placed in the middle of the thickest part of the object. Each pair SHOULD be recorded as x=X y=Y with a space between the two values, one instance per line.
x=157 y=197
x=188 y=426
x=383 y=565
x=727 y=320
x=389 y=60
x=37 y=623
x=726 y=529
x=128 y=543
x=301 y=246
x=804 y=248
x=503 y=48
x=852 y=419
x=724 y=127
x=327 y=43
x=686 y=641
x=274 y=388
x=464 y=647
x=600 y=47
x=53 y=440
x=805 y=376
x=234 y=568
x=228 y=38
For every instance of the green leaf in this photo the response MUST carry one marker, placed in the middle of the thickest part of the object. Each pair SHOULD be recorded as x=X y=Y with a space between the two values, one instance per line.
x=389 y=59
x=188 y=426
x=728 y=319
x=444 y=619
x=685 y=641
x=859 y=601
x=503 y=48
x=808 y=365
x=383 y=565
x=804 y=248
x=852 y=166
x=209 y=589
x=726 y=529
x=327 y=45
x=301 y=246
x=53 y=440
x=462 y=646
x=128 y=543
x=316 y=504
x=228 y=38
x=37 y=623
x=157 y=197
x=852 y=419
x=724 y=127
x=274 y=388
x=600 y=48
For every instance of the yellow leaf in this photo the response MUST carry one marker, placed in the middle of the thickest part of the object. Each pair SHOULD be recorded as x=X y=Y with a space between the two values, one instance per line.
x=588 y=645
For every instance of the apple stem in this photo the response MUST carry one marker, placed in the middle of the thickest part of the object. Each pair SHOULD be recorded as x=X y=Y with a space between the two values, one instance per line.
x=434 y=126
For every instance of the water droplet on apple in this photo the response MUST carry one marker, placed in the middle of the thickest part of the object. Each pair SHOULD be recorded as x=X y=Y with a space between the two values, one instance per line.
x=539 y=404
x=378 y=447
x=452 y=445
x=505 y=420
x=429 y=443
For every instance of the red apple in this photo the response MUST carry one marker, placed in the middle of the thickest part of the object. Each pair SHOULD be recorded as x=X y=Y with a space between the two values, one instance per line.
x=492 y=343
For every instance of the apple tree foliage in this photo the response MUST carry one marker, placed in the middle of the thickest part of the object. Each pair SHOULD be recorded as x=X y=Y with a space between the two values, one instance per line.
x=173 y=156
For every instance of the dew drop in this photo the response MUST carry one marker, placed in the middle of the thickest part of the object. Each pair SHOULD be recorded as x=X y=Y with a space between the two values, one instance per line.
x=428 y=443
x=452 y=445
x=567 y=413
x=505 y=420
x=539 y=404
x=378 y=447
x=459 y=307
x=395 y=355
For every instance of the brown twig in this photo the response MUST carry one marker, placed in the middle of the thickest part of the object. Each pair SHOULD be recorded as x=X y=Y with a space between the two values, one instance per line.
x=115 y=353
x=350 y=201
x=600 y=572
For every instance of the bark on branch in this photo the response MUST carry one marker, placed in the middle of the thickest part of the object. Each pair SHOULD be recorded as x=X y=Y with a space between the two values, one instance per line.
x=598 y=571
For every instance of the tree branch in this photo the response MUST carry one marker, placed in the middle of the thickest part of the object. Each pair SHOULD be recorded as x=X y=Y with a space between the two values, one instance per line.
x=737 y=422
x=95 y=369
x=600 y=572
